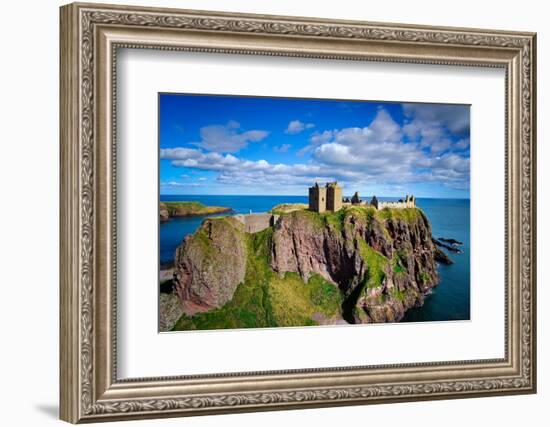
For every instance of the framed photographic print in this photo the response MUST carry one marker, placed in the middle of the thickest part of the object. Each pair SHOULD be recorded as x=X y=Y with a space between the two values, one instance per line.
x=265 y=212
x=248 y=237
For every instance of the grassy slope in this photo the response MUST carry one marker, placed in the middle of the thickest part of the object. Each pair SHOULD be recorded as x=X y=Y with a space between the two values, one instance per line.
x=408 y=214
x=191 y=208
x=287 y=208
x=376 y=263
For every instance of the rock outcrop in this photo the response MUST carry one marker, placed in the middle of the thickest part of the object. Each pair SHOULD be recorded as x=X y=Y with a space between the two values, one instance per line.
x=169 y=210
x=210 y=264
x=383 y=262
x=451 y=241
x=163 y=212
x=170 y=311
x=449 y=247
x=442 y=258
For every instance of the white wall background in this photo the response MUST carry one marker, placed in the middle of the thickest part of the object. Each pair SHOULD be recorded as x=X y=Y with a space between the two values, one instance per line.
x=29 y=170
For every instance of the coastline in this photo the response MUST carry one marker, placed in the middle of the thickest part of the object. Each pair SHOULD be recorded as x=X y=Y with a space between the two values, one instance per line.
x=179 y=209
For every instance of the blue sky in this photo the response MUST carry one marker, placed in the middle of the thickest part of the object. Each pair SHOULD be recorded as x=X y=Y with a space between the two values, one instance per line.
x=281 y=146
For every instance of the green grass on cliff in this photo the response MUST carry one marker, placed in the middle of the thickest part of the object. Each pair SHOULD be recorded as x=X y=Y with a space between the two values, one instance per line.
x=285 y=208
x=398 y=268
x=335 y=220
x=250 y=306
x=397 y=263
x=408 y=214
x=191 y=208
x=376 y=262
x=425 y=277
x=315 y=219
x=397 y=294
x=201 y=235
x=294 y=302
x=267 y=300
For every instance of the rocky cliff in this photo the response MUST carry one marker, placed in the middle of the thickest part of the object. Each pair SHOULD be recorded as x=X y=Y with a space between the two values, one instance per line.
x=210 y=264
x=382 y=261
x=360 y=265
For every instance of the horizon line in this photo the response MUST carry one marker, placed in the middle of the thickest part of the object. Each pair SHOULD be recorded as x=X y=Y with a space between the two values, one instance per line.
x=302 y=195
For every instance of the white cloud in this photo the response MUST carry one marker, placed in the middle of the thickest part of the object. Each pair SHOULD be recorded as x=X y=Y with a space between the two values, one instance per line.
x=450 y=163
x=382 y=130
x=242 y=170
x=456 y=118
x=296 y=126
x=320 y=138
x=432 y=125
x=315 y=140
x=462 y=144
x=355 y=156
x=197 y=159
x=376 y=149
x=282 y=148
x=227 y=138
x=335 y=153
x=179 y=184
x=377 y=152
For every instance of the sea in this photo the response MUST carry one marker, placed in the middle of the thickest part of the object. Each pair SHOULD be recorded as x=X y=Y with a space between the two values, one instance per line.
x=450 y=218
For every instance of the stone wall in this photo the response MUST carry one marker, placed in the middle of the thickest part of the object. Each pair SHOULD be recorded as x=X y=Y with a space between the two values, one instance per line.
x=257 y=222
x=408 y=203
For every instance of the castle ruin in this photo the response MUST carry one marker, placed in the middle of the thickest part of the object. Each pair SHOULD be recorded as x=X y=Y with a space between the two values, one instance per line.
x=321 y=199
x=409 y=202
x=327 y=198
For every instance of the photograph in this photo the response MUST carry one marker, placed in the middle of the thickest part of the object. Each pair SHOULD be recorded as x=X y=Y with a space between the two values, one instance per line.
x=278 y=212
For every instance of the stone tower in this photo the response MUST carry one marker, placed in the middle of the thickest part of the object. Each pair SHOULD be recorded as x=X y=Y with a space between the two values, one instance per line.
x=317 y=198
x=334 y=196
x=374 y=202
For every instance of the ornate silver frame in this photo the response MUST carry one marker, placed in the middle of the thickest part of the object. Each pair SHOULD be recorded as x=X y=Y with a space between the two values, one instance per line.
x=90 y=36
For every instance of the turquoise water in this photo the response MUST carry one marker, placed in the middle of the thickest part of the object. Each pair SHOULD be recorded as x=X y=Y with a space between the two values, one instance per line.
x=450 y=218
x=451 y=299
